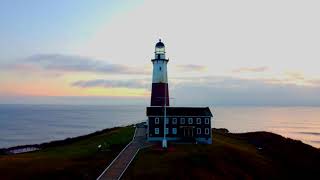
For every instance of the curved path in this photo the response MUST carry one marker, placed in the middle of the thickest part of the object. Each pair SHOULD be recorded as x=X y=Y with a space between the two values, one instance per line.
x=119 y=165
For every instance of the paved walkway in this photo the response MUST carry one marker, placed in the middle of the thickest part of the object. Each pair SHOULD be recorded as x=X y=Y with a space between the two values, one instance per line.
x=119 y=165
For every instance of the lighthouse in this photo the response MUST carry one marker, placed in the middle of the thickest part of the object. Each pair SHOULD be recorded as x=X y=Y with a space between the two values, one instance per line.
x=160 y=91
x=167 y=123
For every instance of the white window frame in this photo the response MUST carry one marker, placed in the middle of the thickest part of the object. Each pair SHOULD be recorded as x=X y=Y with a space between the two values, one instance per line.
x=198 y=120
x=207 y=120
x=174 y=130
x=156 y=120
x=167 y=131
x=198 y=130
x=190 y=120
x=207 y=131
x=156 y=131
x=182 y=120
x=174 y=120
x=167 y=120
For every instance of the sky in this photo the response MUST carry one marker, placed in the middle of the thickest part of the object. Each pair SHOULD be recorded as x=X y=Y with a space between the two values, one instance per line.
x=220 y=52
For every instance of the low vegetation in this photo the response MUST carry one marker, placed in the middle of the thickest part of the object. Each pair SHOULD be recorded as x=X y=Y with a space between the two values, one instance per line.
x=258 y=155
x=73 y=158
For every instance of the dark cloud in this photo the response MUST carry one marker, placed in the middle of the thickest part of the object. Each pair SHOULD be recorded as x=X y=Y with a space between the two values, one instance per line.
x=136 y=84
x=251 y=69
x=58 y=62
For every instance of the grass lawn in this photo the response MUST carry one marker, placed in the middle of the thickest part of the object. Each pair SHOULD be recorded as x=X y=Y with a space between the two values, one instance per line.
x=259 y=155
x=73 y=158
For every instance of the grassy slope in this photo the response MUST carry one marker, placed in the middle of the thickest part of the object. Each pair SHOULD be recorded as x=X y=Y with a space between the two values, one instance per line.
x=231 y=156
x=76 y=158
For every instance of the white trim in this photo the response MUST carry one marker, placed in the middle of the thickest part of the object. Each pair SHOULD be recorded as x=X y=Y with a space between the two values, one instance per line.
x=190 y=120
x=118 y=154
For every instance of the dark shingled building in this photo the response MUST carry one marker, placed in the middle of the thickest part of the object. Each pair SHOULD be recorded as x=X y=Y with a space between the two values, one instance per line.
x=185 y=124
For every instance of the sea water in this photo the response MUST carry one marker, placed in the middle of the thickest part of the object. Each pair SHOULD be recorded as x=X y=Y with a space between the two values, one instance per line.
x=32 y=124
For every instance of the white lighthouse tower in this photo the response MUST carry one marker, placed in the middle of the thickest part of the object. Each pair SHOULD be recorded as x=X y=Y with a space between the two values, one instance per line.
x=160 y=92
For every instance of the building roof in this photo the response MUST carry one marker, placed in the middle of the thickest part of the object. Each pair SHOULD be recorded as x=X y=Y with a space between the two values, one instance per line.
x=179 y=111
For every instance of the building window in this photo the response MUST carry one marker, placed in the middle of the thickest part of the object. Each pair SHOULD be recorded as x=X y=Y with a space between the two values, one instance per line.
x=167 y=130
x=156 y=120
x=156 y=130
x=174 y=130
x=182 y=121
x=167 y=120
x=174 y=120
x=198 y=120
x=207 y=120
x=207 y=131
x=198 y=130
x=190 y=120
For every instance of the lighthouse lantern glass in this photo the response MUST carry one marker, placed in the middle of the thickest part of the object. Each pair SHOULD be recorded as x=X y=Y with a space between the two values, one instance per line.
x=160 y=50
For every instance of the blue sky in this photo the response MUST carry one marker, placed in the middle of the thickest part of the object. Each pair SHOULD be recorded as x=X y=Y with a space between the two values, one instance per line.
x=43 y=25
x=223 y=52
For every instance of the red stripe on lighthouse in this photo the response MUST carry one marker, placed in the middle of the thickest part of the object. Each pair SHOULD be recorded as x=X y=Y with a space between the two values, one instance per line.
x=159 y=94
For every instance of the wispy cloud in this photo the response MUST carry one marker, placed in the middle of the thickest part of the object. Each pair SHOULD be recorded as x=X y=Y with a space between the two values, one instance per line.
x=135 y=84
x=68 y=63
x=251 y=69
x=191 y=68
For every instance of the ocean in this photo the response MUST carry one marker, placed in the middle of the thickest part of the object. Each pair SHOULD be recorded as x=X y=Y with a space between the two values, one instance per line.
x=32 y=124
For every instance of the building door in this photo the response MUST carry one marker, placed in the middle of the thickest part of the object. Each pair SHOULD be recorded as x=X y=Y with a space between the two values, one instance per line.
x=188 y=131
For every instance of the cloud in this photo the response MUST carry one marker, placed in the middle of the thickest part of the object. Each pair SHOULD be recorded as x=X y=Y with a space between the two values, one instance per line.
x=136 y=84
x=191 y=68
x=250 y=69
x=213 y=90
x=68 y=63
x=221 y=90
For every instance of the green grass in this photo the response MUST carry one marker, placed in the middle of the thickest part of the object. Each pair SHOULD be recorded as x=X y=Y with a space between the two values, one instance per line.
x=231 y=156
x=75 y=158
